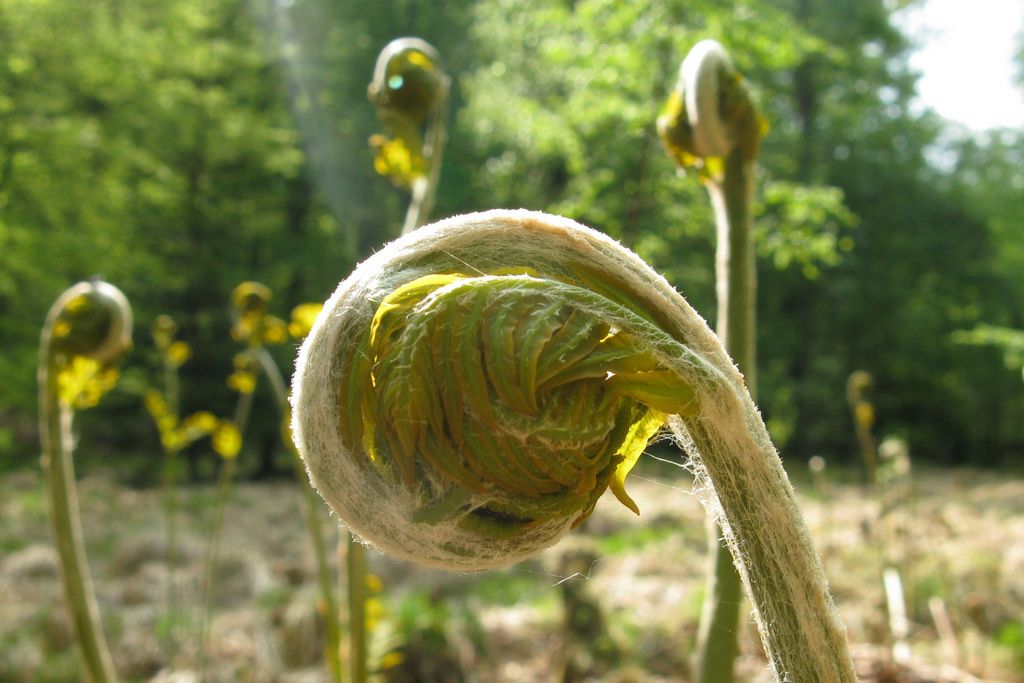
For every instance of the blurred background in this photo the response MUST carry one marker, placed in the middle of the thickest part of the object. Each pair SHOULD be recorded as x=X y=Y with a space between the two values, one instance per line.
x=180 y=147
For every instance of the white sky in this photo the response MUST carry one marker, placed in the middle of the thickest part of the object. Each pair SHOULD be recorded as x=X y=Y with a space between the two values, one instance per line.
x=965 y=57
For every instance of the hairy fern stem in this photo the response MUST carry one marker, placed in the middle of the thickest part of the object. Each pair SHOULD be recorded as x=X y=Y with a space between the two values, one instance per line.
x=473 y=388
x=87 y=329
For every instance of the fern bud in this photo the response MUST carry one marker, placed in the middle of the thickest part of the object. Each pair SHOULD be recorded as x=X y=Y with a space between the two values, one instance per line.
x=471 y=390
x=91 y=319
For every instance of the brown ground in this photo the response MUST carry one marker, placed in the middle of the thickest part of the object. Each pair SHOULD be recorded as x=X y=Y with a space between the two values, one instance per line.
x=635 y=581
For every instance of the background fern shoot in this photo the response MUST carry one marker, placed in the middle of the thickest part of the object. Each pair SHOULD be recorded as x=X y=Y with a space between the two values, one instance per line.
x=711 y=124
x=410 y=92
x=86 y=332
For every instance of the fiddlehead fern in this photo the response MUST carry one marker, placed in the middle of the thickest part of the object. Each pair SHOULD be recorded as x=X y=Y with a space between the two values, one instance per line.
x=858 y=385
x=254 y=326
x=87 y=330
x=711 y=123
x=710 y=114
x=472 y=389
x=410 y=91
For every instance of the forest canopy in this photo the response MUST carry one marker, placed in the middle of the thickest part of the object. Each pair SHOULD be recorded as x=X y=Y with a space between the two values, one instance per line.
x=181 y=147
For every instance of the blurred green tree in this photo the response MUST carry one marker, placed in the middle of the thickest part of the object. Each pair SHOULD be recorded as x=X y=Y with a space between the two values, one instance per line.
x=181 y=147
x=150 y=142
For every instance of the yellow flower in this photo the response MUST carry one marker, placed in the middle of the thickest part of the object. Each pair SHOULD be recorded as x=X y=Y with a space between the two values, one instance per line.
x=374 y=613
x=198 y=425
x=172 y=440
x=250 y=296
x=391 y=660
x=250 y=300
x=275 y=331
x=155 y=404
x=227 y=440
x=242 y=381
x=303 y=317
x=246 y=325
x=178 y=353
x=395 y=159
x=84 y=381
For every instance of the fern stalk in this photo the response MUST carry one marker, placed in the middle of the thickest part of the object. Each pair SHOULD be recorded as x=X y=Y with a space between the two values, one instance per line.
x=310 y=514
x=87 y=329
x=472 y=390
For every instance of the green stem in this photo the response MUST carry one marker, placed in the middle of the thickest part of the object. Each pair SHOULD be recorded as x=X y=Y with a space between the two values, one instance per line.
x=802 y=635
x=170 y=515
x=424 y=189
x=736 y=273
x=736 y=279
x=243 y=409
x=310 y=513
x=717 y=636
x=868 y=447
x=277 y=383
x=356 y=570
x=241 y=418
x=171 y=387
x=212 y=553
x=55 y=434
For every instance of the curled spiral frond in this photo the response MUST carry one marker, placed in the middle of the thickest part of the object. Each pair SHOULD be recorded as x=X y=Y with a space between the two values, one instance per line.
x=408 y=79
x=488 y=398
x=250 y=297
x=91 y=319
x=87 y=330
x=710 y=113
x=491 y=405
x=470 y=391
x=252 y=324
x=857 y=385
x=410 y=92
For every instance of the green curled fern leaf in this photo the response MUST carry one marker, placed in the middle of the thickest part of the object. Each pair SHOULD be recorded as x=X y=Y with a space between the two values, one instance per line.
x=470 y=391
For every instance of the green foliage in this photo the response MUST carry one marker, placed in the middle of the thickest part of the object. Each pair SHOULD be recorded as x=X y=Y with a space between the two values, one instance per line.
x=181 y=147
x=1011 y=342
x=1011 y=637
x=509 y=587
x=630 y=539
x=151 y=142
x=803 y=227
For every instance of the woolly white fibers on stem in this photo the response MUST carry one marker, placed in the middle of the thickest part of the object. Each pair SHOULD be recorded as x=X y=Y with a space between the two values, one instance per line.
x=732 y=455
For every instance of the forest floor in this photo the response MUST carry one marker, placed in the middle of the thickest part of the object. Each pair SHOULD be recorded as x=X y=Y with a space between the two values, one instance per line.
x=633 y=587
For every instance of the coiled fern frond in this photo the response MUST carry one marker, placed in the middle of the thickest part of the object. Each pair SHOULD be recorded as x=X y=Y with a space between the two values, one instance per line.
x=87 y=330
x=710 y=112
x=472 y=389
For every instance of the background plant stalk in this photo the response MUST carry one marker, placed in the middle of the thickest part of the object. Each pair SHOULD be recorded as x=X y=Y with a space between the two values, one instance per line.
x=310 y=516
x=57 y=441
x=736 y=281
x=224 y=479
x=170 y=475
x=424 y=188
